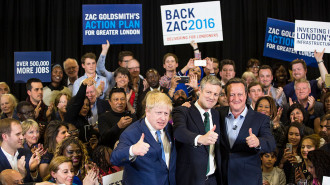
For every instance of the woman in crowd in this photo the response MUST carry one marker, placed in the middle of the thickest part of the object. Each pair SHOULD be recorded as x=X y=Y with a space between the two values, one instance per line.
x=253 y=66
x=61 y=171
x=56 y=86
x=308 y=143
x=73 y=148
x=101 y=157
x=61 y=102
x=297 y=113
x=55 y=133
x=123 y=80
x=30 y=132
x=78 y=111
x=249 y=77
x=266 y=105
x=271 y=175
x=318 y=165
x=8 y=104
x=281 y=75
x=287 y=159
x=326 y=104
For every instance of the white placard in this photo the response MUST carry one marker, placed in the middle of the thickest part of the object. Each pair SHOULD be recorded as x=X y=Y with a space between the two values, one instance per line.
x=113 y=179
x=311 y=35
x=183 y=23
x=326 y=180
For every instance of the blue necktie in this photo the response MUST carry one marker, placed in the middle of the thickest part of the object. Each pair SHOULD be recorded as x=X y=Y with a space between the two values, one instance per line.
x=161 y=144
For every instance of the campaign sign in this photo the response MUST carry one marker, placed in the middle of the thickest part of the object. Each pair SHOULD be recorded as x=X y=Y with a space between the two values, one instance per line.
x=113 y=179
x=183 y=23
x=279 y=43
x=118 y=23
x=312 y=35
x=32 y=65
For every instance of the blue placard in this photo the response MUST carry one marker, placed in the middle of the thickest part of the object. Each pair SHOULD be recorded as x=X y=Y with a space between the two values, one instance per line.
x=279 y=43
x=32 y=65
x=118 y=23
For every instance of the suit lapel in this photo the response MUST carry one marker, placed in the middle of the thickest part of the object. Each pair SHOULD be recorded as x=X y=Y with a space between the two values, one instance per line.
x=223 y=127
x=4 y=163
x=197 y=119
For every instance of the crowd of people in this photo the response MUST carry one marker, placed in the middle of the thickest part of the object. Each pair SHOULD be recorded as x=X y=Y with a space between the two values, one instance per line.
x=269 y=127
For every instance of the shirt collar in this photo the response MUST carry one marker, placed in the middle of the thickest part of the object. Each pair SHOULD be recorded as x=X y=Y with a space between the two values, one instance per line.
x=200 y=109
x=151 y=129
x=151 y=89
x=9 y=155
x=243 y=114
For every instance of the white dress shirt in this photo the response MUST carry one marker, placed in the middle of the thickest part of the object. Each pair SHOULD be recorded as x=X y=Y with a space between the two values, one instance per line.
x=211 y=153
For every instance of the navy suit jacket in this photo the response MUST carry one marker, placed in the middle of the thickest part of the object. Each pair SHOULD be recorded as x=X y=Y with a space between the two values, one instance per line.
x=102 y=106
x=4 y=163
x=241 y=164
x=192 y=161
x=147 y=169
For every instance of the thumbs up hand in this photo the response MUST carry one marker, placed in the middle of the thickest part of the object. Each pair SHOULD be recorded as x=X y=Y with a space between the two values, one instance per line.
x=209 y=138
x=252 y=140
x=140 y=148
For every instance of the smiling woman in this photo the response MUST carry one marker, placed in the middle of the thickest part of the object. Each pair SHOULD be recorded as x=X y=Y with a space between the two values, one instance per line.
x=73 y=148
x=55 y=87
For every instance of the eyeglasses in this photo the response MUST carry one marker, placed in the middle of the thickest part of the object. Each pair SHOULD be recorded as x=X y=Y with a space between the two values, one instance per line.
x=222 y=94
x=73 y=132
x=28 y=112
x=133 y=68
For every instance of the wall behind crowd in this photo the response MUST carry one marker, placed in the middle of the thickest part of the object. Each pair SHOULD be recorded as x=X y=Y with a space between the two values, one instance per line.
x=55 y=25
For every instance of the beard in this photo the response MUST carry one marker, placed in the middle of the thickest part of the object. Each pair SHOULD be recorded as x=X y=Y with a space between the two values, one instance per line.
x=178 y=102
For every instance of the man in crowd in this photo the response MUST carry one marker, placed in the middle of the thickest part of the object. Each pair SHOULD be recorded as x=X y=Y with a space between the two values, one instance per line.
x=114 y=122
x=299 y=71
x=255 y=92
x=98 y=106
x=152 y=77
x=244 y=134
x=314 y=108
x=196 y=131
x=12 y=155
x=227 y=70
x=146 y=148
x=71 y=69
x=34 y=89
x=88 y=62
x=25 y=111
x=265 y=78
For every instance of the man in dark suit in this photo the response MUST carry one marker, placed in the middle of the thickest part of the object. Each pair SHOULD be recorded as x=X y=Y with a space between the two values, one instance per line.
x=196 y=131
x=244 y=135
x=152 y=77
x=146 y=148
x=12 y=155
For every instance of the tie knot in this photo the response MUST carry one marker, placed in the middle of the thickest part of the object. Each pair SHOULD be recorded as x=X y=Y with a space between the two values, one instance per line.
x=158 y=133
x=206 y=114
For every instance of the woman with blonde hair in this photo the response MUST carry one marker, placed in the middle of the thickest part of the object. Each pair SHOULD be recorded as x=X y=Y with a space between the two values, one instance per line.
x=30 y=132
x=61 y=172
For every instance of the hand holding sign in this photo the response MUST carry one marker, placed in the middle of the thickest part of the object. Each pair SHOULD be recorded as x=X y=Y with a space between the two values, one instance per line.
x=140 y=148
x=252 y=140
x=209 y=138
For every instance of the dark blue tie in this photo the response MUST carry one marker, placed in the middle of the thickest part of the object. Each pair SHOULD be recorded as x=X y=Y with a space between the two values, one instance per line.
x=161 y=144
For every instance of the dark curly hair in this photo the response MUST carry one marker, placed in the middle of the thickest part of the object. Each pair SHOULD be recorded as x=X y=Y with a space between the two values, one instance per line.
x=301 y=108
x=84 y=157
x=100 y=160
x=321 y=163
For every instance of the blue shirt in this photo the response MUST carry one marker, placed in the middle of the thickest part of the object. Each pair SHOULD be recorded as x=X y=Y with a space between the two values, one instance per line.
x=98 y=80
x=234 y=125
